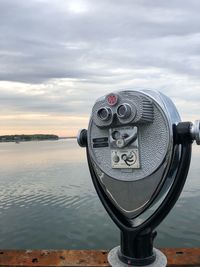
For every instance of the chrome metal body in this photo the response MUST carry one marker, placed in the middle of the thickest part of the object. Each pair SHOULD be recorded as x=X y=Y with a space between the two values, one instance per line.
x=133 y=190
x=138 y=153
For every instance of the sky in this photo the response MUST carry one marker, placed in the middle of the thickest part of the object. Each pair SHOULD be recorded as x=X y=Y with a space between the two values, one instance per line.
x=57 y=57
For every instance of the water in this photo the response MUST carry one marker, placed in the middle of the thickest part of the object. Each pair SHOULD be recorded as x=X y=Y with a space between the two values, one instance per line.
x=47 y=200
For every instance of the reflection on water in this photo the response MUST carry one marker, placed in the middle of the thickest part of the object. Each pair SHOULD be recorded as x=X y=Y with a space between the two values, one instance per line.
x=47 y=200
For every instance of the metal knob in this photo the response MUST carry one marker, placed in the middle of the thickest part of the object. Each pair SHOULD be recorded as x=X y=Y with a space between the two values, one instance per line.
x=82 y=138
x=195 y=131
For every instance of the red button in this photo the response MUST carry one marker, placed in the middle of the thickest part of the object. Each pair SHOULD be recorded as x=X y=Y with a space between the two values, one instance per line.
x=112 y=99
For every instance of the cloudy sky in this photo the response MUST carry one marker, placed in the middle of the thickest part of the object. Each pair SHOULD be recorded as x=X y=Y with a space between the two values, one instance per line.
x=57 y=57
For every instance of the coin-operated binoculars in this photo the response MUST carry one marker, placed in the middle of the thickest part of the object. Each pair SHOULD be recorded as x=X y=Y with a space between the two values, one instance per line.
x=138 y=153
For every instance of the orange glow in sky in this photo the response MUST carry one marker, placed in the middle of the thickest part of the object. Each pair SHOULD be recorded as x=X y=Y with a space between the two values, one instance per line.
x=35 y=124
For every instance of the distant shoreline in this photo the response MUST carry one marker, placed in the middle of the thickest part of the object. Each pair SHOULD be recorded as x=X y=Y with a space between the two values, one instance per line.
x=17 y=138
x=68 y=137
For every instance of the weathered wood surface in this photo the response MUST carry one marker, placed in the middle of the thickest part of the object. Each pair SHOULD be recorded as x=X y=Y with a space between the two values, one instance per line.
x=91 y=258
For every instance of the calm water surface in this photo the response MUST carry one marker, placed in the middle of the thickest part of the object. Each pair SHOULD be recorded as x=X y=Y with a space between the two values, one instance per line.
x=47 y=200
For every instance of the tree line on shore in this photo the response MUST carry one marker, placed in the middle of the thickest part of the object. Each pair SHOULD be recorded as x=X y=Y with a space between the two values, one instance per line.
x=27 y=137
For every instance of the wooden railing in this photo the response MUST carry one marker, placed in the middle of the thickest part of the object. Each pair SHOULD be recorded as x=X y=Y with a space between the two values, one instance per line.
x=92 y=258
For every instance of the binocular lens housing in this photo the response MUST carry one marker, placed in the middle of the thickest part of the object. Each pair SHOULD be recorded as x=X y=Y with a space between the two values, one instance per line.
x=104 y=113
x=124 y=111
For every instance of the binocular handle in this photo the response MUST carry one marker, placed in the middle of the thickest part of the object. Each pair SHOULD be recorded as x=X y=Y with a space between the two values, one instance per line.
x=195 y=131
x=185 y=132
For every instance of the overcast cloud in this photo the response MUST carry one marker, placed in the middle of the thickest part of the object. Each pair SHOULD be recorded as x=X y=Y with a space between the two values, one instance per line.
x=57 y=57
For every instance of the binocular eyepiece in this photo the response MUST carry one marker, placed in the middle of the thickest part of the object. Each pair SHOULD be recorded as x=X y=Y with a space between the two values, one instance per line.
x=123 y=112
x=138 y=153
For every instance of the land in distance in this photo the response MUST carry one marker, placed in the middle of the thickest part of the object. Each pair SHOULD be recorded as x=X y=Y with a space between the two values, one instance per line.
x=27 y=137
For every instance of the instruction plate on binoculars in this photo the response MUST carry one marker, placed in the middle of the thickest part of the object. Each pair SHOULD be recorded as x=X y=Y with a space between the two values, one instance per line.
x=125 y=159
